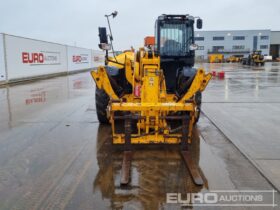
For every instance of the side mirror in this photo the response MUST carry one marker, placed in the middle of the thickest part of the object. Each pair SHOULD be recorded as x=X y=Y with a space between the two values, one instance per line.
x=103 y=39
x=103 y=35
x=199 y=23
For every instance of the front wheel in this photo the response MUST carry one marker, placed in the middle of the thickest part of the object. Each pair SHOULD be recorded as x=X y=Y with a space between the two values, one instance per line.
x=101 y=103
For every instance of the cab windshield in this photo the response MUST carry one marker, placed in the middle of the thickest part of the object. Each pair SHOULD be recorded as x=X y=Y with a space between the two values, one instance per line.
x=175 y=39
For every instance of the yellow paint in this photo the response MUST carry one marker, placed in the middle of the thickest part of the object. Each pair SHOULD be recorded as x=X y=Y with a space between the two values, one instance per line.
x=215 y=58
x=154 y=104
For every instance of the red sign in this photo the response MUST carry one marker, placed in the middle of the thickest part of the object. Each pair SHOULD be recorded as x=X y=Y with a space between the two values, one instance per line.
x=32 y=57
x=80 y=59
x=77 y=58
x=41 y=58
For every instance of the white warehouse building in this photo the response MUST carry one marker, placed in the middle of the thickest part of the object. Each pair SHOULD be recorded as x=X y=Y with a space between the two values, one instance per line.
x=233 y=42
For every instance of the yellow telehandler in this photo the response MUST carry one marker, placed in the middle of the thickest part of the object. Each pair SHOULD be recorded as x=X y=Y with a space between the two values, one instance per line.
x=254 y=59
x=153 y=96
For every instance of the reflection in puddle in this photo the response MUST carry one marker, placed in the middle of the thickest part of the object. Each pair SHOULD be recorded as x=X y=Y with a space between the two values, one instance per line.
x=80 y=83
x=154 y=173
x=36 y=96
x=226 y=89
x=258 y=68
x=28 y=100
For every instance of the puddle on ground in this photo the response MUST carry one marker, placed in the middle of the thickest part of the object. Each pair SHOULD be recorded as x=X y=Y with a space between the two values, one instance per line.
x=154 y=173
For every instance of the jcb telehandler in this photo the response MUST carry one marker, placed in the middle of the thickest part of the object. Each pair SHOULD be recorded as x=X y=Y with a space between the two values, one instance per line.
x=153 y=97
x=255 y=58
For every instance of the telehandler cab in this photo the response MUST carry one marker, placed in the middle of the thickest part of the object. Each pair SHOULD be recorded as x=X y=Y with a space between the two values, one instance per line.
x=153 y=97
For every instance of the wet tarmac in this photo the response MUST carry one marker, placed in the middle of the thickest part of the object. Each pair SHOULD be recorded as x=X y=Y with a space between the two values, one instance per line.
x=246 y=108
x=55 y=155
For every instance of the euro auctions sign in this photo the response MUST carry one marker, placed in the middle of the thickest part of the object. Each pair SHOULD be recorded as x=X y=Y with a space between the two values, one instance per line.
x=32 y=57
x=41 y=58
x=80 y=59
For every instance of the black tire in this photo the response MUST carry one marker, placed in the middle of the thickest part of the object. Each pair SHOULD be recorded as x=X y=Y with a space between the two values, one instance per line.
x=101 y=103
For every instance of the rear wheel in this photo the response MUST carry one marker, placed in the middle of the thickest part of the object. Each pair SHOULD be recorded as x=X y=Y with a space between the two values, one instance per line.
x=101 y=103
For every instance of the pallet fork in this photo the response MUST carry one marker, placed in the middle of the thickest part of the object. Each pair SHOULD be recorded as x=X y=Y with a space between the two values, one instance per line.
x=185 y=153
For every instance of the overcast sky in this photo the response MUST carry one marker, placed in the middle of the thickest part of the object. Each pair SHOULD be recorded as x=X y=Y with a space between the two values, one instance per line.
x=76 y=21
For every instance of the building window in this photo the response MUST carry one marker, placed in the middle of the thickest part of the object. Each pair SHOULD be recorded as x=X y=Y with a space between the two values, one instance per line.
x=264 y=37
x=200 y=48
x=218 y=48
x=264 y=47
x=238 y=37
x=238 y=47
x=200 y=38
x=218 y=38
x=200 y=57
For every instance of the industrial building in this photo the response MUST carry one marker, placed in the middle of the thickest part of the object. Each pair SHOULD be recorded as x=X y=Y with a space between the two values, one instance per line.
x=275 y=44
x=237 y=42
